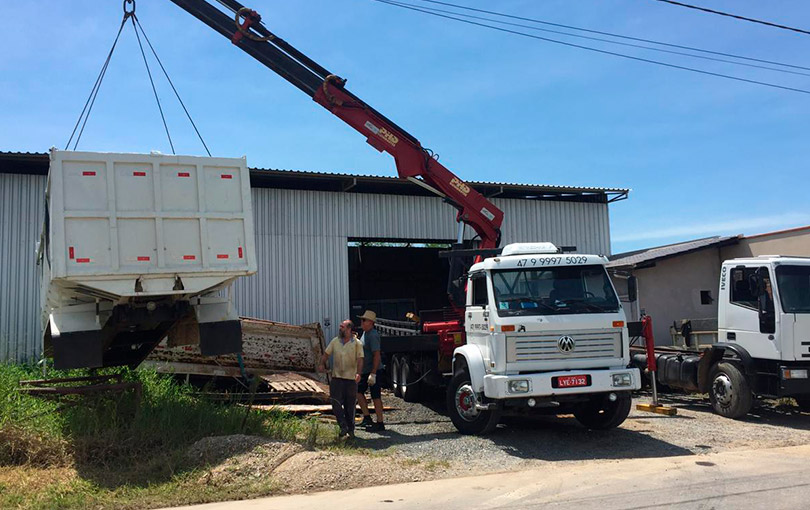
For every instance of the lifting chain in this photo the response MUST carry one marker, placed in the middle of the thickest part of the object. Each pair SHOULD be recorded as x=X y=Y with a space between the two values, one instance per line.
x=251 y=17
x=338 y=82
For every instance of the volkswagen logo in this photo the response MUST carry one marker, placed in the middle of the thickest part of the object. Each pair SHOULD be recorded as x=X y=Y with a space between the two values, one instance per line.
x=566 y=344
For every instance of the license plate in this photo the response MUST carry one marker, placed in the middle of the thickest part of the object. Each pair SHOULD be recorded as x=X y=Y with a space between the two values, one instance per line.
x=570 y=381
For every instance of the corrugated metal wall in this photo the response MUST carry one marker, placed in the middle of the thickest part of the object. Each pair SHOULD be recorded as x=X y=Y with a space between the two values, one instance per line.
x=22 y=206
x=302 y=238
x=301 y=244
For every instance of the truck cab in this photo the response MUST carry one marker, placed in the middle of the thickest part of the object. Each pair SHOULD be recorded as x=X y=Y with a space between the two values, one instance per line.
x=765 y=307
x=763 y=338
x=545 y=331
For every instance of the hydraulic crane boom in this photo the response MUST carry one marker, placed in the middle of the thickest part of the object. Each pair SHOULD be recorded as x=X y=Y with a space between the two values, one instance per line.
x=415 y=163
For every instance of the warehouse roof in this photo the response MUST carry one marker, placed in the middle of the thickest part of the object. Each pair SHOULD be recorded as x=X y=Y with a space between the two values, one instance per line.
x=36 y=163
x=648 y=257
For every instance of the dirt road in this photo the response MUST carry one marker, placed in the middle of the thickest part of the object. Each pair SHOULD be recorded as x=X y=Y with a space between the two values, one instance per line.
x=774 y=479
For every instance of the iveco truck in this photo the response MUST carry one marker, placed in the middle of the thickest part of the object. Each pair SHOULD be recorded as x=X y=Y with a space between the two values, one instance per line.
x=762 y=345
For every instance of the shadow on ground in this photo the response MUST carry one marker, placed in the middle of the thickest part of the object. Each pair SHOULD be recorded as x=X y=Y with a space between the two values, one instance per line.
x=545 y=438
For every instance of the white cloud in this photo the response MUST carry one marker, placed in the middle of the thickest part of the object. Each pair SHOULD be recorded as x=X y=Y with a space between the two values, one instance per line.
x=736 y=226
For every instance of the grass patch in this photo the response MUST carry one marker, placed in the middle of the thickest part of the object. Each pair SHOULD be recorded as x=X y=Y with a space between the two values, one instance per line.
x=116 y=452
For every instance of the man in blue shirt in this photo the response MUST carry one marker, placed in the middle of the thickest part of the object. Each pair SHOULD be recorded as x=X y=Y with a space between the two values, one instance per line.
x=368 y=379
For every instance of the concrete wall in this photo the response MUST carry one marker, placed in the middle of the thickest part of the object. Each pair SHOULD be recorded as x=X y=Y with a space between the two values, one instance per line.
x=790 y=242
x=670 y=290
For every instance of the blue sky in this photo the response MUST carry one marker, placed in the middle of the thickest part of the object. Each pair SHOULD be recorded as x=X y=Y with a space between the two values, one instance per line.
x=703 y=155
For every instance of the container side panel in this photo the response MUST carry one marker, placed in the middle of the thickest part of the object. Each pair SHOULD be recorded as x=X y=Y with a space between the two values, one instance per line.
x=226 y=239
x=85 y=186
x=178 y=185
x=181 y=240
x=223 y=189
x=134 y=187
x=88 y=245
x=137 y=244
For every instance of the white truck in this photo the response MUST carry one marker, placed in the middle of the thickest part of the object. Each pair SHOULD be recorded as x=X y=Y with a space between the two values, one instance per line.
x=762 y=345
x=545 y=333
x=136 y=247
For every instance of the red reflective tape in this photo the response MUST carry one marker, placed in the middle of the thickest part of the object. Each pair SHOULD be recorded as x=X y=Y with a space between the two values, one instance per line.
x=70 y=252
x=82 y=261
x=222 y=255
x=183 y=174
x=189 y=257
x=88 y=173
x=143 y=259
x=240 y=252
x=139 y=174
x=226 y=176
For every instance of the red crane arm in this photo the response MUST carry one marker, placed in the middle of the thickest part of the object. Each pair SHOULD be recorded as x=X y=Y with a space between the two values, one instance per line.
x=243 y=27
x=414 y=161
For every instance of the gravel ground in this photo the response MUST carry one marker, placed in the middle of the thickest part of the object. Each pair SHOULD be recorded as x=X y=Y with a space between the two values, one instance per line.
x=420 y=443
x=425 y=433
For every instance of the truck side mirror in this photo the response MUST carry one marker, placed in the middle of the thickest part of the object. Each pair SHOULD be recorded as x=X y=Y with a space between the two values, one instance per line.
x=632 y=289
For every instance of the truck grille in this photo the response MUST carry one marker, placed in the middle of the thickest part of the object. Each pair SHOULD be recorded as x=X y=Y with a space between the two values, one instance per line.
x=598 y=344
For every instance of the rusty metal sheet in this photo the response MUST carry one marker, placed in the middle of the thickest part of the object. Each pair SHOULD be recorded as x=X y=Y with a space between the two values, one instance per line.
x=267 y=347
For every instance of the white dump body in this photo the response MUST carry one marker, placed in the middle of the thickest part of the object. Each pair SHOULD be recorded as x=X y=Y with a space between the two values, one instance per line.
x=117 y=218
x=134 y=248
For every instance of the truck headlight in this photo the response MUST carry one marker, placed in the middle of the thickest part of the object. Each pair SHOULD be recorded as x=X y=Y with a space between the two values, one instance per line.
x=623 y=379
x=519 y=386
x=793 y=373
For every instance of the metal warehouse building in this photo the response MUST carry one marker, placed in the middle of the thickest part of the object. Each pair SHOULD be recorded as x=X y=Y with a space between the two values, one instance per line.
x=327 y=244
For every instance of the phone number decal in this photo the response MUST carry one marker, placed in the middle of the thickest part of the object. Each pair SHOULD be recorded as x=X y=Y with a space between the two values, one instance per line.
x=552 y=261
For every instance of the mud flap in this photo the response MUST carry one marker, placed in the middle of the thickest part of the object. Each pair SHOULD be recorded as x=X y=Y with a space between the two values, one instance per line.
x=220 y=338
x=78 y=349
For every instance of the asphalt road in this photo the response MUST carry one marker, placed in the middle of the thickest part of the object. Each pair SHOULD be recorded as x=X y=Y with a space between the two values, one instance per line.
x=775 y=478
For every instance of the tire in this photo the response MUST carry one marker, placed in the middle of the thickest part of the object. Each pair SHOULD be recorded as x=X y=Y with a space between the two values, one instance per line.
x=467 y=420
x=409 y=389
x=602 y=414
x=396 y=367
x=729 y=391
x=804 y=403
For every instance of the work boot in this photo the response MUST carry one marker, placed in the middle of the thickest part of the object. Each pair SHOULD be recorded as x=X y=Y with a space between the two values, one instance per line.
x=376 y=427
x=366 y=421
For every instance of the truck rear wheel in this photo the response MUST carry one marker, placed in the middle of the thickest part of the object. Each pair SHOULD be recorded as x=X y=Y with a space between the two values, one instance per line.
x=410 y=387
x=600 y=413
x=729 y=392
x=464 y=414
x=396 y=362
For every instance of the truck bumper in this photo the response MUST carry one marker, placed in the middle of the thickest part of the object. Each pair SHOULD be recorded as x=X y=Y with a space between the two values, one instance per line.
x=542 y=384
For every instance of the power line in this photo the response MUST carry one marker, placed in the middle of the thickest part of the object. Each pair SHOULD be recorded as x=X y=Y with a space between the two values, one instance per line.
x=608 y=41
x=721 y=13
x=620 y=36
x=596 y=50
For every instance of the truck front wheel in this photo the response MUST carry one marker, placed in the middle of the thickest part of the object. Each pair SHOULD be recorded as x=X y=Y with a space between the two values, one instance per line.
x=729 y=392
x=464 y=413
x=600 y=413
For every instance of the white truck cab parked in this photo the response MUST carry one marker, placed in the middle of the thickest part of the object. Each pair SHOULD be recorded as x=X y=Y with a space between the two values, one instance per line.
x=763 y=338
x=545 y=331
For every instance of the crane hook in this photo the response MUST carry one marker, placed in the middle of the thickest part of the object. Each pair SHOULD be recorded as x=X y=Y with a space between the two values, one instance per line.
x=131 y=12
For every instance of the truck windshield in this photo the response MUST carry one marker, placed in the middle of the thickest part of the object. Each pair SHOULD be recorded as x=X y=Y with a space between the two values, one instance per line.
x=553 y=291
x=794 y=288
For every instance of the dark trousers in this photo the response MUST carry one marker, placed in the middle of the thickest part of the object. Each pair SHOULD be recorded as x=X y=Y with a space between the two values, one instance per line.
x=343 y=393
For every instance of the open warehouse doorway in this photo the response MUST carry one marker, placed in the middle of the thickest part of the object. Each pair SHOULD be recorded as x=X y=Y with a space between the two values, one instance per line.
x=393 y=278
